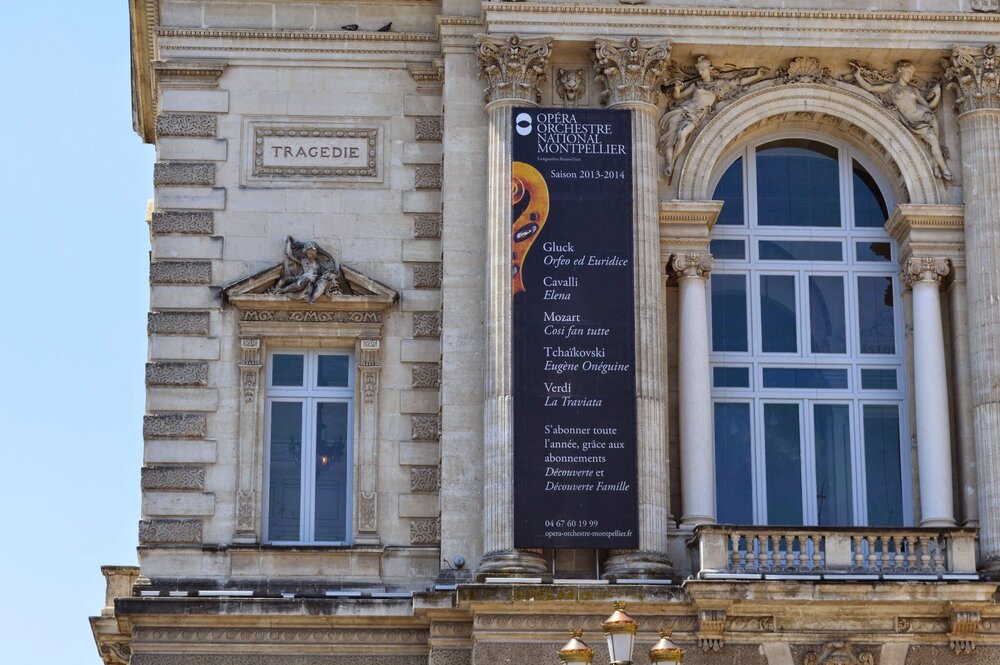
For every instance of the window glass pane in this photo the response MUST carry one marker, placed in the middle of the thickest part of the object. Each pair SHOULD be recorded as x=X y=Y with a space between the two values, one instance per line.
x=834 y=496
x=827 y=325
x=783 y=459
x=729 y=313
x=286 y=369
x=816 y=378
x=873 y=251
x=875 y=308
x=878 y=379
x=728 y=249
x=730 y=191
x=797 y=184
x=799 y=250
x=285 y=471
x=333 y=371
x=870 y=210
x=331 y=471
x=731 y=377
x=777 y=313
x=882 y=465
x=733 y=478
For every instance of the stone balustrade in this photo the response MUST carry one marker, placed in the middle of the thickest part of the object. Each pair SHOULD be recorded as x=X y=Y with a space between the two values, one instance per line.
x=863 y=553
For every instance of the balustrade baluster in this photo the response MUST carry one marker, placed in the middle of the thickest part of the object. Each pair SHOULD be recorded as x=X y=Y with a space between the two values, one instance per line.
x=753 y=547
x=735 y=558
x=897 y=543
x=939 y=548
x=911 y=553
x=886 y=564
x=765 y=552
x=859 y=556
x=872 y=554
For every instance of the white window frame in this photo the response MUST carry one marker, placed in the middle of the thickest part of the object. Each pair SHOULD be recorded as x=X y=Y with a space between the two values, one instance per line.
x=310 y=395
x=853 y=361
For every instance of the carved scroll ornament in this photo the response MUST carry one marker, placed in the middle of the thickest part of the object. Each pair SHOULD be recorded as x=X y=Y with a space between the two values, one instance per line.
x=974 y=75
x=631 y=70
x=513 y=66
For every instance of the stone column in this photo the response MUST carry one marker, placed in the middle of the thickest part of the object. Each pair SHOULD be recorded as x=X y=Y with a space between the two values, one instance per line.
x=974 y=74
x=924 y=275
x=369 y=368
x=246 y=493
x=512 y=67
x=695 y=394
x=962 y=387
x=632 y=72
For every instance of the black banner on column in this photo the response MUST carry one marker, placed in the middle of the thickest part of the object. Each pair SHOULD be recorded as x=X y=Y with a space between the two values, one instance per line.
x=573 y=329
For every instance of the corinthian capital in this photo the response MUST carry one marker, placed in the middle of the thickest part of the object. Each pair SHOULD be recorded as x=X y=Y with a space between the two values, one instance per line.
x=925 y=269
x=513 y=67
x=630 y=70
x=973 y=74
x=691 y=265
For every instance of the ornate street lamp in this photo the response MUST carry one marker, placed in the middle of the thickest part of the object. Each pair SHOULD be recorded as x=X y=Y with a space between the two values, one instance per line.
x=576 y=650
x=619 y=628
x=665 y=651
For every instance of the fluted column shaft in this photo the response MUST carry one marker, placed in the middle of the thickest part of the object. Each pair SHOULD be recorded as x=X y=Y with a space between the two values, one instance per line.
x=695 y=391
x=962 y=386
x=931 y=379
x=512 y=67
x=980 y=133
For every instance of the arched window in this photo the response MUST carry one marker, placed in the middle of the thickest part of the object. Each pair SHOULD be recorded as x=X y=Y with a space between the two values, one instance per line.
x=806 y=342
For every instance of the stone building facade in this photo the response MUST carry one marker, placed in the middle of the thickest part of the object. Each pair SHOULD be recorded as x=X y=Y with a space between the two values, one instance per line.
x=328 y=437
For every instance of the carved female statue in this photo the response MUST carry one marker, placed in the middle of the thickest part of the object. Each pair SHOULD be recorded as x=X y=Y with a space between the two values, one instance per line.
x=914 y=109
x=308 y=272
x=694 y=100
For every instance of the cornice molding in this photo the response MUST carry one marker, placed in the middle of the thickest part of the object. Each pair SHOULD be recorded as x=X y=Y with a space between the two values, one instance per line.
x=298 y=35
x=144 y=16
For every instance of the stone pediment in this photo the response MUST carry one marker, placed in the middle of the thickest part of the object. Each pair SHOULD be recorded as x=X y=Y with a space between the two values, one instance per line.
x=357 y=292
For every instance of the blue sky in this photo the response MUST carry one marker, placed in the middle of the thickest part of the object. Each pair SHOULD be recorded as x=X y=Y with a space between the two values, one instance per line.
x=74 y=181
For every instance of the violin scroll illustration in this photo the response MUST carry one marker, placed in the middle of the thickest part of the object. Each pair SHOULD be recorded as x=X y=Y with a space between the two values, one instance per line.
x=530 y=196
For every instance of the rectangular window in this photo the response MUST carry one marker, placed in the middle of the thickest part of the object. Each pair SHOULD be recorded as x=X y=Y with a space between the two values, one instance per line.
x=729 y=312
x=733 y=480
x=727 y=249
x=813 y=378
x=878 y=379
x=777 y=314
x=875 y=315
x=799 y=250
x=827 y=325
x=834 y=495
x=882 y=465
x=310 y=405
x=783 y=462
x=731 y=377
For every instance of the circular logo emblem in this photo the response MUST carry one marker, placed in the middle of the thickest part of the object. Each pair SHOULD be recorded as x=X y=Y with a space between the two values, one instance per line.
x=522 y=123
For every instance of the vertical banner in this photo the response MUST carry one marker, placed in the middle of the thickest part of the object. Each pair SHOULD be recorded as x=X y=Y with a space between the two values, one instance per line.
x=573 y=329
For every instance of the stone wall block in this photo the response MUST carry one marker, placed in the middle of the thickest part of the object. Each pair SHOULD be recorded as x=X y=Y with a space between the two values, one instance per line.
x=183 y=221
x=174 y=532
x=429 y=129
x=427 y=226
x=425 y=531
x=427 y=275
x=427 y=324
x=186 y=124
x=180 y=272
x=176 y=374
x=425 y=427
x=425 y=479
x=426 y=375
x=427 y=176
x=173 y=478
x=184 y=173
x=175 y=426
x=177 y=323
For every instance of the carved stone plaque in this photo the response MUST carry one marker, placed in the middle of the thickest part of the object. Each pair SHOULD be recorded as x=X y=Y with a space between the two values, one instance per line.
x=281 y=153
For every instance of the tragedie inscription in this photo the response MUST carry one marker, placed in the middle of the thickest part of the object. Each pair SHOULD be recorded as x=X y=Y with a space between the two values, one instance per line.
x=313 y=152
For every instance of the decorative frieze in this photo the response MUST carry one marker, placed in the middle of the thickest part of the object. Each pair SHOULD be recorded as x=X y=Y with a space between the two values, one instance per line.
x=175 y=426
x=922 y=625
x=296 y=316
x=184 y=173
x=177 y=374
x=925 y=268
x=177 y=532
x=429 y=128
x=173 y=478
x=177 y=323
x=630 y=69
x=269 y=659
x=513 y=67
x=450 y=657
x=973 y=74
x=427 y=226
x=180 y=272
x=985 y=6
x=426 y=375
x=427 y=176
x=425 y=427
x=425 y=479
x=245 y=502
x=691 y=265
x=325 y=636
x=838 y=653
x=186 y=124
x=183 y=221
x=562 y=623
x=425 y=531
x=451 y=629
x=427 y=324
x=427 y=275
